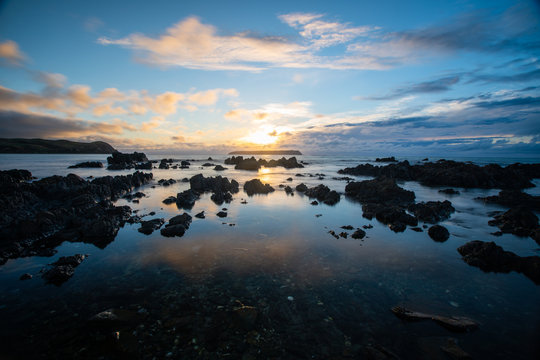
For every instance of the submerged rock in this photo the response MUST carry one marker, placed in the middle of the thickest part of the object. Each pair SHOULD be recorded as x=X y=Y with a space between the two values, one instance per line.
x=63 y=269
x=519 y=221
x=255 y=186
x=514 y=198
x=148 y=227
x=453 y=323
x=490 y=257
x=358 y=234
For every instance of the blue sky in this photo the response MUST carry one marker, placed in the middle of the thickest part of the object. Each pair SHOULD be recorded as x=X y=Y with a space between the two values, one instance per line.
x=359 y=77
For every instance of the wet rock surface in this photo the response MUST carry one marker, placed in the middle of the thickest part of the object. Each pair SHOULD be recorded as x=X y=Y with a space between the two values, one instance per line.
x=453 y=173
x=323 y=194
x=432 y=211
x=453 y=323
x=379 y=191
x=148 y=226
x=38 y=216
x=177 y=225
x=186 y=199
x=63 y=269
x=519 y=221
x=255 y=186
x=514 y=198
x=254 y=164
x=490 y=257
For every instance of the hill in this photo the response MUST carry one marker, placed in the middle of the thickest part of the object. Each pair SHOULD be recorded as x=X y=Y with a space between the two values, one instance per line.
x=266 y=152
x=41 y=146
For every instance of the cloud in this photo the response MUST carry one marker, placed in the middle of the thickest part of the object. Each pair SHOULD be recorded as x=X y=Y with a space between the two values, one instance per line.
x=10 y=53
x=428 y=87
x=15 y=124
x=79 y=95
x=92 y=24
x=210 y=97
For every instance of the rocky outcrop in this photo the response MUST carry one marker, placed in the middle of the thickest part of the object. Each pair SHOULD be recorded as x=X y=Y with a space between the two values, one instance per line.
x=392 y=215
x=62 y=270
x=121 y=161
x=453 y=173
x=255 y=186
x=490 y=257
x=301 y=187
x=148 y=227
x=186 y=199
x=432 y=211
x=87 y=164
x=519 y=221
x=221 y=187
x=514 y=198
x=177 y=225
x=379 y=191
x=14 y=176
x=453 y=323
x=386 y=159
x=323 y=194
x=254 y=164
x=36 y=217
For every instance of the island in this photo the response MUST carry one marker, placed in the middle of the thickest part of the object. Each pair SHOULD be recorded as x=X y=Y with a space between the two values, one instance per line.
x=42 y=146
x=266 y=152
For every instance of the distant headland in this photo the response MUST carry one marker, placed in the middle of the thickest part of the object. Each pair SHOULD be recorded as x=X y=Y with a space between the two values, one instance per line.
x=42 y=146
x=266 y=152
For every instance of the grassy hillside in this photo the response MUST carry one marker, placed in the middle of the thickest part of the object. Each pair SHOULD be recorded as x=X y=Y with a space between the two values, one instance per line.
x=41 y=146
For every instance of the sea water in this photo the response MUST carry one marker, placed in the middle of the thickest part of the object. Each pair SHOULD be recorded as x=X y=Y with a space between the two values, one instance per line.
x=315 y=296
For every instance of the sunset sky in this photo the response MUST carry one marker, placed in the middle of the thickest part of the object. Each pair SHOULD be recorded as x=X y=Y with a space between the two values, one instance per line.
x=359 y=77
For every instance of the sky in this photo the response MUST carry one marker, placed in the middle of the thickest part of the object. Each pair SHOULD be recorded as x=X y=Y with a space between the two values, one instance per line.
x=422 y=78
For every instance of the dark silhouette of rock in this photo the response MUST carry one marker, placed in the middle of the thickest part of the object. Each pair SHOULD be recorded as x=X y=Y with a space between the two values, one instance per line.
x=301 y=188
x=379 y=191
x=148 y=227
x=222 y=214
x=386 y=159
x=323 y=194
x=26 y=276
x=314 y=202
x=169 y=200
x=453 y=173
x=449 y=191
x=87 y=164
x=255 y=186
x=519 y=221
x=220 y=197
x=490 y=257
x=514 y=198
x=358 y=234
x=288 y=189
x=63 y=269
x=200 y=215
x=219 y=168
x=432 y=211
x=186 y=199
x=438 y=233
x=121 y=161
x=201 y=184
x=254 y=164
x=14 y=176
x=177 y=225
x=453 y=323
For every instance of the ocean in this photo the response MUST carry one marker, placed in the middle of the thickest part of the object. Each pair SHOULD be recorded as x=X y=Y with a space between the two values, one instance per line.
x=314 y=296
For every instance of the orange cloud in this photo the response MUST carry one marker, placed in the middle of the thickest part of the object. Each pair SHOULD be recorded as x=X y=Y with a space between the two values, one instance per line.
x=10 y=53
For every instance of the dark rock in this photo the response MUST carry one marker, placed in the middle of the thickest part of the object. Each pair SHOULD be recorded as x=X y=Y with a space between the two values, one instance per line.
x=452 y=173
x=221 y=197
x=177 y=225
x=185 y=180
x=164 y=164
x=343 y=234
x=25 y=276
x=453 y=323
x=254 y=164
x=148 y=227
x=63 y=269
x=14 y=176
x=514 y=198
x=314 y=202
x=519 y=221
x=449 y=191
x=87 y=164
x=397 y=227
x=369 y=226
x=492 y=258
x=201 y=184
x=299 y=175
x=200 y=215
x=388 y=215
x=289 y=179
x=222 y=214
x=379 y=190
x=143 y=166
x=417 y=229
x=323 y=194
x=347 y=227
x=208 y=164
x=288 y=189
x=255 y=186
x=438 y=233
x=185 y=163
x=432 y=211
x=301 y=188
x=169 y=200
x=333 y=233
x=358 y=234
x=186 y=199
x=120 y=161
x=386 y=159
x=219 y=168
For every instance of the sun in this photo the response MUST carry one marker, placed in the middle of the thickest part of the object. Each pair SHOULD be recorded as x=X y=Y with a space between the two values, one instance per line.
x=261 y=137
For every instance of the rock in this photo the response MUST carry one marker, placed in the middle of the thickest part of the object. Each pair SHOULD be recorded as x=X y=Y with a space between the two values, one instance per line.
x=185 y=163
x=492 y=258
x=87 y=164
x=288 y=189
x=255 y=186
x=219 y=168
x=333 y=233
x=200 y=215
x=63 y=269
x=386 y=159
x=148 y=227
x=202 y=184
x=186 y=199
x=449 y=191
x=453 y=173
x=314 y=202
x=452 y=348
x=343 y=234
x=222 y=214
x=379 y=190
x=432 y=211
x=323 y=194
x=120 y=161
x=397 y=227
x=26 y=276
x=208 y=164
x=417 y=229
x=358 y=234
x=177 y=225
x=164 y=182
x=347 y=227
x=301 y=188
x=514 y=198
x=389 y=215
x=14 y=176
x=289 y=179
x=519 y=221
x=169 y=200
x=453 y=323
x=254 y=164
x=221 y=197
x=438 y=233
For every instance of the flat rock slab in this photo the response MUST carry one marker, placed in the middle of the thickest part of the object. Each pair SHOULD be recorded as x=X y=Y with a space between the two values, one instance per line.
x=452 y=323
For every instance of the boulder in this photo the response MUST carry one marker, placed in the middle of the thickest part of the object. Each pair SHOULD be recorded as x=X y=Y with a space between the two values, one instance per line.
x=186 y=199
x=432 y=211
x=177 y=225
x=148 y=227
x=438 y=233
x=63 y=269
x=519 y=221
x=379 y=190
x=255 y=186
x=87 y=164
